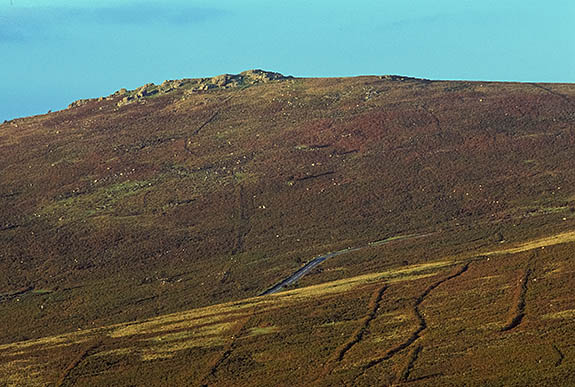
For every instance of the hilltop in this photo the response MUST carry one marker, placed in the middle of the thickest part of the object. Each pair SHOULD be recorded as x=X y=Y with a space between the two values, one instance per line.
x=138 y=230
x=188 y=86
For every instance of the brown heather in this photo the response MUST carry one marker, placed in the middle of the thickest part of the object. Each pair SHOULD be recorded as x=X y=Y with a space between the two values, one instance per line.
x=137 y=230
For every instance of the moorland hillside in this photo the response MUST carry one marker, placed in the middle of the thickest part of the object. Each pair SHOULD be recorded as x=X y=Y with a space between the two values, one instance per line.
x=156 y=208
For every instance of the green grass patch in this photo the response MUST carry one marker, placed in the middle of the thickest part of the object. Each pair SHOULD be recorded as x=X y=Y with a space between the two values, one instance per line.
x=100 y=202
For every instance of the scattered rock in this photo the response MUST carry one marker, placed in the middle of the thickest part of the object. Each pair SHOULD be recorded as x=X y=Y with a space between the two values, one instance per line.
x=223 y=81
x=390 y=77
x=146 y=90
x=246 y=78
x=81 y=102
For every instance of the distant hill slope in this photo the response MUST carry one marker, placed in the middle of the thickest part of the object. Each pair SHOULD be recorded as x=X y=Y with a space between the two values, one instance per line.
x=202 y=191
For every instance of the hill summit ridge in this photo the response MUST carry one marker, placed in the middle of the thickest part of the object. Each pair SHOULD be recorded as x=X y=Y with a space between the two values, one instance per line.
x=224 y=81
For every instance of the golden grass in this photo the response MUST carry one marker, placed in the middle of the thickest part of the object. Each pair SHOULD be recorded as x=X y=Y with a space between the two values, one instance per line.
x=169 y=349
x=20 y=373
x=491 y=326
x=397 y=275
x=395 y=316
x=564 y=314
x=183 y=320
x=257 y=331
x=201 y=332
x=208 y=326
x=554 y=268
x=212 y=326
x=332 y=324
x=390 y=334
x=47 y=342
x=487 y=277
x=566 y=237
x=413 y=277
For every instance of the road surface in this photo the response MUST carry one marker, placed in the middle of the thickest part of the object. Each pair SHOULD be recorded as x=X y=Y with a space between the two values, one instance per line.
x=318 y=260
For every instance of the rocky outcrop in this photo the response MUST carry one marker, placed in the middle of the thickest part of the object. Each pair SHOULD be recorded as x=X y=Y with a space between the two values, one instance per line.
x=246 y=78
x=390 y=77
x=224 y=81
x=189 y=85
x=81 y=102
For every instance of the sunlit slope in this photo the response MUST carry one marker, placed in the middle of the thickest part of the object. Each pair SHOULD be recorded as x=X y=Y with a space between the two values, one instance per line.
x=444 y=322
x=201 y=192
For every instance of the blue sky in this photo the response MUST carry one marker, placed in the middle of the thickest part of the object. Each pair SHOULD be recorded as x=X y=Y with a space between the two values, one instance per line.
x=53 y=52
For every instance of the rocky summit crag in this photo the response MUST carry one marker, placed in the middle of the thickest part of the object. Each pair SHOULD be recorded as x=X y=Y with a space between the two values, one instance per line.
x=190 y=85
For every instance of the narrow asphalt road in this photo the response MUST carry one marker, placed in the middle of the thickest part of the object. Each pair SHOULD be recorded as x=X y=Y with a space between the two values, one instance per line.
x=318 y=260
